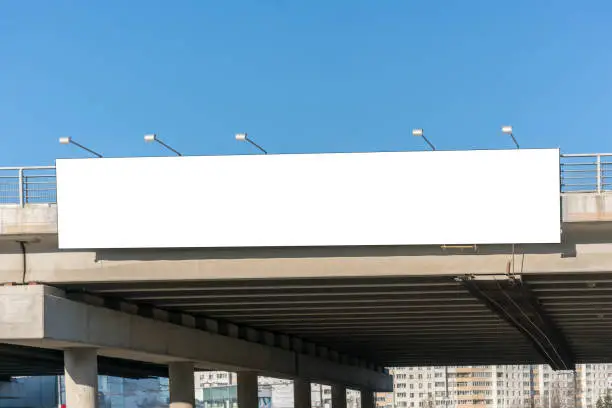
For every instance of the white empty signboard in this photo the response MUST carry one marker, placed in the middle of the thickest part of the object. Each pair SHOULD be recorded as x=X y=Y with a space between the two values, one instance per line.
x=401 y=198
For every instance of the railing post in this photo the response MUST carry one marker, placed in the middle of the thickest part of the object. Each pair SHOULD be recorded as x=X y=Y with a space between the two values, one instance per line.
x=598 y=173
x=21 y=189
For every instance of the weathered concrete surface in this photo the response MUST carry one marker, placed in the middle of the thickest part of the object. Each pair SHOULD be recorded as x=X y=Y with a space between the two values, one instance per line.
x=587 y=246
x=581 y=207
x=37 y=315
x=46 y=265
x=29 y=221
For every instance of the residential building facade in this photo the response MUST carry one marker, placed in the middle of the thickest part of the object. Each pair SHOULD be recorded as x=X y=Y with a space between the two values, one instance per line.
x=516 y=386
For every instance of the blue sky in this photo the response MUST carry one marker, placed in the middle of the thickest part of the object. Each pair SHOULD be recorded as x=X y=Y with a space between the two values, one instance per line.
x=302 y=76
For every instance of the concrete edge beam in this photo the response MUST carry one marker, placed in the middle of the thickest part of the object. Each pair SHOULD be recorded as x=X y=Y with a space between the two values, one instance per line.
x=328 y=372
x=41 y=315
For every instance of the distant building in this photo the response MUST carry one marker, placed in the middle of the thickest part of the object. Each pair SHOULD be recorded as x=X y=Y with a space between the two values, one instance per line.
x=516 y=386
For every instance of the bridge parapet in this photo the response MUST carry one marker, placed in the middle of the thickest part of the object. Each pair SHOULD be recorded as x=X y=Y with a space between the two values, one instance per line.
x=29 y=220
x=586 y=207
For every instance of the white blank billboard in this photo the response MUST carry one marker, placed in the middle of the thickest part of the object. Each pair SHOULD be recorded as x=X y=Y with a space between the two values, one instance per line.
x=399 y=198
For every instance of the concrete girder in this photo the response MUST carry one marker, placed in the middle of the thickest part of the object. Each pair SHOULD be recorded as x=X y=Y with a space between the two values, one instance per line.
x=48 y=265
x=42 y=316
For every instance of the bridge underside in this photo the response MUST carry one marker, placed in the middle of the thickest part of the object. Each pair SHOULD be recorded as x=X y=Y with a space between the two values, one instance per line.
x=389 y=306
x=24 y=361
x=407 y=321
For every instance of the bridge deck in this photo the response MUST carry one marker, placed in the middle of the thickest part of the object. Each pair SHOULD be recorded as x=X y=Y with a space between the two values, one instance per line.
x=390 y=305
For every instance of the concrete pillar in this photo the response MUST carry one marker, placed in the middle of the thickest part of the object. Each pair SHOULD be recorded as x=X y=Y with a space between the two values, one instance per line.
x=182 y=387
x=247 y=389
x=367 y=399
x=81 y=377
x=338 y=396
x=302 y=397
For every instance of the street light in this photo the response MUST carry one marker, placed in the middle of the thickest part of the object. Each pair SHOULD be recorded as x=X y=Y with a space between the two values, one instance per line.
x=419 y=133
x=508 y=131
x=153 y=138
x=68 y=140
x=242 y=137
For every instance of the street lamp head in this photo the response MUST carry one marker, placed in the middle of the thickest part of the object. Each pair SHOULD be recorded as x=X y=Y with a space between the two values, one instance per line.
x=417 y=132
x=150 y=138
x=506 y=130
x=68 y=140
x=242 y=137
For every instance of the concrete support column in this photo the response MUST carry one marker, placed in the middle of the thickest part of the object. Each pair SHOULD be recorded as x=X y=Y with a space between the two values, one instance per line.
x=247 y=389
x=182 y=387
x=81 y=376
x=338 y=396
x=367 y=399
x=302 y=396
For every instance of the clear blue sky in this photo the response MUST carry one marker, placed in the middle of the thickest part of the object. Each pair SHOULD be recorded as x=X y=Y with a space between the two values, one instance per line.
x=302 y=76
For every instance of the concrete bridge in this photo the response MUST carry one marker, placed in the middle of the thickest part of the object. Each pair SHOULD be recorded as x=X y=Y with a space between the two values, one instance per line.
x=334 y=315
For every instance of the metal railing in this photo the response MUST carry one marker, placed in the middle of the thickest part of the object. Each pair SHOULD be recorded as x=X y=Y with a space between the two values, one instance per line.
x=586 y=173
x=583 y=173
x=27 y=185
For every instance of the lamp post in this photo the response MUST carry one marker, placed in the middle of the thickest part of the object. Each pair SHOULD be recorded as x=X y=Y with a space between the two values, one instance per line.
x=68 y=140
x=419 y=133
x=243 y=137
x=153 y=138
x=507 y=130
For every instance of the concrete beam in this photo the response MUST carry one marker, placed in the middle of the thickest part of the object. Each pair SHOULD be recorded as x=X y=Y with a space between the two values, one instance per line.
x=314 y=369
x=586 y=247
x=45 y=265
x=41 y=316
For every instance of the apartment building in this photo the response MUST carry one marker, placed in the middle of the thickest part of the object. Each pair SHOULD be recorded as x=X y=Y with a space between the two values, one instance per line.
x=216 y=389
x=518 y=386
x=593 y=381
x=514 y=386
x=208 y=379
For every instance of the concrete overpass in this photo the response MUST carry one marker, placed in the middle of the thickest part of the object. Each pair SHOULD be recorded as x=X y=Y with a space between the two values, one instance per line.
x=335 y=315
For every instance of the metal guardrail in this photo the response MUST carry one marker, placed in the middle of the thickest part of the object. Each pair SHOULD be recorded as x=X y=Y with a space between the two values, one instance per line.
x=586 y=173
x=580 y=173
x=27 y=185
